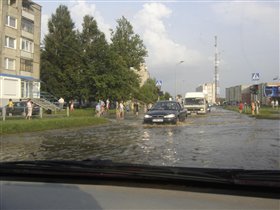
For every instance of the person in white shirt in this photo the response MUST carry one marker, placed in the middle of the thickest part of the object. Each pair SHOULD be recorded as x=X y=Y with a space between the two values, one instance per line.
x=61 y=102
x=29 y=109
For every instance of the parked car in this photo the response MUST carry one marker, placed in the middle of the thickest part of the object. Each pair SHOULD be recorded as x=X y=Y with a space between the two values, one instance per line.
x=20 y=108
x=165 y=112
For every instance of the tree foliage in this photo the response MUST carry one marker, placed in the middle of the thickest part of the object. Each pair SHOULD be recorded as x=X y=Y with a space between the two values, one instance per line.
x=60 y=67
x=128 y=45
x=148 y=93
x=84 y=66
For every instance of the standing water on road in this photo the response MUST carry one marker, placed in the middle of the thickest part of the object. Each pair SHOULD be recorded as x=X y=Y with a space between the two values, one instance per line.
x=220 y=139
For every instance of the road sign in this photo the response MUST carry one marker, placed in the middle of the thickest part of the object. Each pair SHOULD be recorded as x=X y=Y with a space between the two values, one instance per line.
x=159 y=83
x=255 y=76
x=272 y=91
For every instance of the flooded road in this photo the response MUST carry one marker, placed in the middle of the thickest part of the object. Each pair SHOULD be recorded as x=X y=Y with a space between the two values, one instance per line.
x=221 y=139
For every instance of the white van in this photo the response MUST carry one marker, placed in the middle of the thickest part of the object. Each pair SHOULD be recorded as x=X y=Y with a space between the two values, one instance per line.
x=195 y=102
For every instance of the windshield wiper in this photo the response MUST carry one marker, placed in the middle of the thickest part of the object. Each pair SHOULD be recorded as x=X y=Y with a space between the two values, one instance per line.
x=108 y=169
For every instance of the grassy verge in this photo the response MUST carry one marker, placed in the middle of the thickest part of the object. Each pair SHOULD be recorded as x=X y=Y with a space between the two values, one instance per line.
x=78 y=118
x=264 y=112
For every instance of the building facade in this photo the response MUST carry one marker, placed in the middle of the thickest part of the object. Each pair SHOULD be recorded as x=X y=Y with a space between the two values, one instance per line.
x=243 y=93
x=20 y=26
x=209 y=90
x=143 y=73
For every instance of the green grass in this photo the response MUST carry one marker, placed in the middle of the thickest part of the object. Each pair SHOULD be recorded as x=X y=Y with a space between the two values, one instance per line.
x=265 y=112
x=78 y=118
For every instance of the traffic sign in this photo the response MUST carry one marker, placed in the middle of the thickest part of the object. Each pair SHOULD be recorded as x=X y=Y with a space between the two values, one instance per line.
x=255 y=76
x=159 y=83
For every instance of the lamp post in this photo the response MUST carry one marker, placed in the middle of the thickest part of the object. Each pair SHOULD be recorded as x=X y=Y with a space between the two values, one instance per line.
x=176 y=78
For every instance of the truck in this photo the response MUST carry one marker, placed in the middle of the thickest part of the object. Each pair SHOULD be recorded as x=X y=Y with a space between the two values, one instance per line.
x=195 y=102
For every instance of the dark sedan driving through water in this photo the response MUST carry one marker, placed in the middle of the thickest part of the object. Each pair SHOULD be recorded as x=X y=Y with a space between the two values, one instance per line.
x=166 y=112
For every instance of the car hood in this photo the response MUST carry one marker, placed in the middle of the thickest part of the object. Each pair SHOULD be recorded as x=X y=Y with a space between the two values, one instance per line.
x=161 y=112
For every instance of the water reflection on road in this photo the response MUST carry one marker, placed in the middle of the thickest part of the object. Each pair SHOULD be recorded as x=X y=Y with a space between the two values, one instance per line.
x=221 y=139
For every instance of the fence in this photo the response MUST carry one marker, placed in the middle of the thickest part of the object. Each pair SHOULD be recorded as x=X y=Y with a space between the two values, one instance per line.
x=18 y=113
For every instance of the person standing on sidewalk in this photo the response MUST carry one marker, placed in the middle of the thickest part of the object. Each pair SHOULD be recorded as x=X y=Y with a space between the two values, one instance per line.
x=253 y=107
x=241 y=106
x=121 y=108
x=10 y=106
x=136 y=108
x=61 y=103
x=29 y=109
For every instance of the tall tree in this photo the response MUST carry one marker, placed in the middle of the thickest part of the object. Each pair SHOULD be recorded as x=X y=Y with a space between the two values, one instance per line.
x=94 y=56
x=61 y=68
x=127 y=44
x=148 y=93
x=105 y=70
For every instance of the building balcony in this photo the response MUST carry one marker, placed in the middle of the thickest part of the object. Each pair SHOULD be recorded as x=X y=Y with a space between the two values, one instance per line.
x=27 y=15
x=25 y=54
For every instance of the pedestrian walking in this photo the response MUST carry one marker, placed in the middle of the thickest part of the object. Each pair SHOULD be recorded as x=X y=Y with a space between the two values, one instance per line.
x=102 y=105
x=272 y=103
x=257 y=105
x=253 y=107
x=121 y=108
x=98 y=109
x=136 y=108
x=107 y=104
x=10 y=106
x=117 y=110
x=61 y=103
x=29 y=109
x=72 y=105
x=241 y=106
x=276 y=104
x=245 y=107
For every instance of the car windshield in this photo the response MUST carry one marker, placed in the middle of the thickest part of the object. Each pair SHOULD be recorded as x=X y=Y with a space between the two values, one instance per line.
x=194 y=101
x=78 y=79
x=165 y=106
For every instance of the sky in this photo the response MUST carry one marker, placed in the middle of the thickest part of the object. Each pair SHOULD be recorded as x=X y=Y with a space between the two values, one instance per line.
x=174 y=31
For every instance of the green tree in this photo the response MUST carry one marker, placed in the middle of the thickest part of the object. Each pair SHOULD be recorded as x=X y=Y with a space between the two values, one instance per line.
x=128 y=45
x=94 y=58
x=166 y=96
x=148 y=93
x=105 y=70
x=61 y=68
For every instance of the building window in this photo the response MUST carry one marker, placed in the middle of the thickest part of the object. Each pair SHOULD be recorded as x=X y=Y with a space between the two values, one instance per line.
x=11 y=2
x=10 y=64
x=27 y=25
x=27 y=6
x=26 y=65
x=10 y=42
x=11 y=21
x=27 y=45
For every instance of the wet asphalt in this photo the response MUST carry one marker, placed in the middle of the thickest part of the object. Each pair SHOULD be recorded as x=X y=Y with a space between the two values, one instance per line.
x=220 y=139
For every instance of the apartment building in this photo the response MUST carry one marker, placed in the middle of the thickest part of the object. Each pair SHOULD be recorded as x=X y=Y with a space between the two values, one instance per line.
x=20 y=26
x=209 y=90
x=143 y=73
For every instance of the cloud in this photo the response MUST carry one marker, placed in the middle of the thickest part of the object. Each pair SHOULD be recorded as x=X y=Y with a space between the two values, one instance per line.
x=235 y=12
x=162 y=49
x=87 y=8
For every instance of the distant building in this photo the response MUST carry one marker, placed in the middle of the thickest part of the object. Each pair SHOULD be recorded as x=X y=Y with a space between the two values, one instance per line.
x=143 y=73
x=238 y=93
x=209 y=90
x=242 y=93
x=20 y=26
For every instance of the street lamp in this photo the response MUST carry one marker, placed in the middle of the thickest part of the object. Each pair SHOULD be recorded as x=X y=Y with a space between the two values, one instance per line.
x=176 y=78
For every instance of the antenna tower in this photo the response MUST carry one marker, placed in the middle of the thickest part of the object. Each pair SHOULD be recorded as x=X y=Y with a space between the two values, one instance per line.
x=216 y=76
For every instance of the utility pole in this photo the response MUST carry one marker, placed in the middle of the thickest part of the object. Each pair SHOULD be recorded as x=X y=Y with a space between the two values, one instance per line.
x=216 y=75
x=176 y=78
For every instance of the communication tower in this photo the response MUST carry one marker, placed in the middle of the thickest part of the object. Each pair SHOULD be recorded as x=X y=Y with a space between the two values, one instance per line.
x=216 y=74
